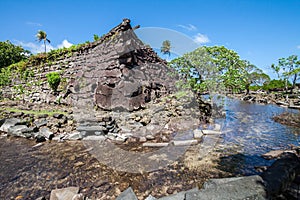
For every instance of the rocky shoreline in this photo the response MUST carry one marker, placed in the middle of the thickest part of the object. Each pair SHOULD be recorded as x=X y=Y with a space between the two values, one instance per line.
x=289 y=101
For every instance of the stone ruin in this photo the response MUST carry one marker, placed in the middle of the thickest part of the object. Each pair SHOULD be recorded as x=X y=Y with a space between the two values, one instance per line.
x=119 y=72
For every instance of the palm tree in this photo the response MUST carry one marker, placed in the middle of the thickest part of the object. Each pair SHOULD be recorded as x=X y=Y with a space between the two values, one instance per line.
x=166 y=47
x=42 y=35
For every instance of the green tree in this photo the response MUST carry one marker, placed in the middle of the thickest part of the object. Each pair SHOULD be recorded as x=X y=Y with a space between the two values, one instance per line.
x=166 y=47
x=288 y=68
x=42 y=35
x=231 y=68
x=10 y=54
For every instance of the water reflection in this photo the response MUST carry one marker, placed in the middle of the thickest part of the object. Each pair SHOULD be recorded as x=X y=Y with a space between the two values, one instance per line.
x=249 y=131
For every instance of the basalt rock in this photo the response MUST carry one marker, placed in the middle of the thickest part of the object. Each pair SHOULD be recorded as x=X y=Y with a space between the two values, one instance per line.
x=120 y=72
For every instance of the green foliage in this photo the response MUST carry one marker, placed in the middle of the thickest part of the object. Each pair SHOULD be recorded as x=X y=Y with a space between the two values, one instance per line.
x=5 y=76
x=96 y=37
x=10 y=54
x=288 y=68
x=53 y=79
x=276 y=84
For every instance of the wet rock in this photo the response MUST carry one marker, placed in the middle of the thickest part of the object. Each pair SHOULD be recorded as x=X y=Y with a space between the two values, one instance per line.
x=64 y=193
x=281 y=174
x=46 y=133
x=276 y=154
x=128 y=194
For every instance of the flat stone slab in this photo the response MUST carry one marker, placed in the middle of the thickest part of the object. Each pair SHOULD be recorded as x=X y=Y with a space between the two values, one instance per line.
x=128 y=194
x=159 y=144
x=211 y=132
x=64 y=193
x=251 y=187
x=197 y=134
x=185 y=142
x=275 y=154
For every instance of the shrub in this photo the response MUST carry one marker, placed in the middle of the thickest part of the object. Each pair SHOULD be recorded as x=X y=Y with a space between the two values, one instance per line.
x=53 y=79
x=276 y=84
x=5 y=76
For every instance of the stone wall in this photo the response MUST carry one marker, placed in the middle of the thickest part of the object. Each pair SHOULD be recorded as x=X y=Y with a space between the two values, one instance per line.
x=116 y=72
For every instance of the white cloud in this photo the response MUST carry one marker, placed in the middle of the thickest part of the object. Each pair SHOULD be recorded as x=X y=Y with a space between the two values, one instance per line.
x=201 y=39
x=65 y=43
x=189 y=27
x=298 y=47
x=39 y=47
x=33 y=24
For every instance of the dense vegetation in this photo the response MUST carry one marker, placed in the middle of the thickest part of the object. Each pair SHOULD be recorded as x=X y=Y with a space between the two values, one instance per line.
x=10 y=54
x=218 y=69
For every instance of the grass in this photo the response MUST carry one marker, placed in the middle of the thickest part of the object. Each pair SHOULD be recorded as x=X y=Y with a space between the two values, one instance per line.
x=35 y=112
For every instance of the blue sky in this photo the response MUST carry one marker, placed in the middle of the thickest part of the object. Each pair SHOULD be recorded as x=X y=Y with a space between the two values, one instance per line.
x=261 y=31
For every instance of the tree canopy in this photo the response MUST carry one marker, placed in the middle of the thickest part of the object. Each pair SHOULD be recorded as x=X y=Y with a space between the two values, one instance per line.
x=288 y=68
x=10 y=53
x=217 y=69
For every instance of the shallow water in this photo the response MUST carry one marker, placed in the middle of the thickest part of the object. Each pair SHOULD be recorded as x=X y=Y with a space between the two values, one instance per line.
x=248 y=131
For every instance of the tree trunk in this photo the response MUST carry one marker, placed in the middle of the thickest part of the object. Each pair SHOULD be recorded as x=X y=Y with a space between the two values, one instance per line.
x=45 y=46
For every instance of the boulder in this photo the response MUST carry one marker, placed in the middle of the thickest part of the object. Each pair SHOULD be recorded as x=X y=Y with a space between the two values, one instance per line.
x=46 y=133
x=20 y=131
x=281 y=174
x=7 y=123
